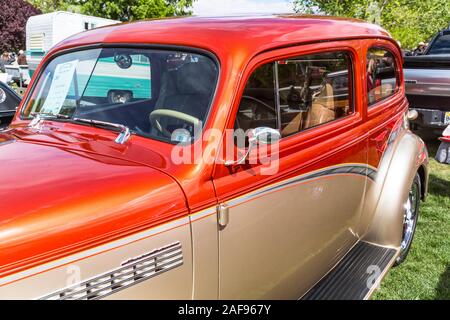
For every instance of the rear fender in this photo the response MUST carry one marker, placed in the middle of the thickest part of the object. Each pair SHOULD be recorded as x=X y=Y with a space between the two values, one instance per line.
x=386 y=195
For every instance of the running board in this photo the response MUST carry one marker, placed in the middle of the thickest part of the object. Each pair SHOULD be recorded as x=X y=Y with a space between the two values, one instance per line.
x=355 y=276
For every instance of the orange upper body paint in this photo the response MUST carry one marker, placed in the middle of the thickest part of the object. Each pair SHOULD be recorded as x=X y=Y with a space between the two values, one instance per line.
x=69 y=187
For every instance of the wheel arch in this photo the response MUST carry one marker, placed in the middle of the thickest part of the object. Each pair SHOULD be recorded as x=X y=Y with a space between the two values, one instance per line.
x=386 y=195
x=423 y=174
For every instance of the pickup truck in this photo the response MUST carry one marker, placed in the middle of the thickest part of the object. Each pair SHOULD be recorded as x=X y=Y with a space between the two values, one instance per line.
x=427 y=80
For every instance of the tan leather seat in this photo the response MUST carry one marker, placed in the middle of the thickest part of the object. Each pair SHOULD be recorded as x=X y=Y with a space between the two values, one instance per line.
x=294 y=126
x=322 y=109
x=326 y=97
x=318 y=114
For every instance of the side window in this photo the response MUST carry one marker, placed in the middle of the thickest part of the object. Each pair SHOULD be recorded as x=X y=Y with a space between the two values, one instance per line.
x=258 y=106
x=297 y=93
x=382 y=80
x=314 y=90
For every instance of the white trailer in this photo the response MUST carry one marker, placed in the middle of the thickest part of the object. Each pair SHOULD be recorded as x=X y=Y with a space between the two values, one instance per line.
x=46 y=30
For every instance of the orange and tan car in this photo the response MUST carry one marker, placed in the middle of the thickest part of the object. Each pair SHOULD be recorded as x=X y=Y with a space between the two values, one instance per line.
x=262 y=157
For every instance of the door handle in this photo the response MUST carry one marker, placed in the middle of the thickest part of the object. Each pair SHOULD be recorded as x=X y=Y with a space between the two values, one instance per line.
x=223 y=215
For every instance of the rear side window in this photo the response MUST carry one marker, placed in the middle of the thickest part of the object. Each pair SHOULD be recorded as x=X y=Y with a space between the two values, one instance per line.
x=298 y=93
x=382 y=78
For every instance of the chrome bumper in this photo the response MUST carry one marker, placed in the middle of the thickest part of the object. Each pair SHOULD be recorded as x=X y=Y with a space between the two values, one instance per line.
x=430 y=118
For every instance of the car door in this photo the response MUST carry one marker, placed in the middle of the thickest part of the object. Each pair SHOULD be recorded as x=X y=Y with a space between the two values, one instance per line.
x=288 y=213
x=9 y=101
x=385 y=103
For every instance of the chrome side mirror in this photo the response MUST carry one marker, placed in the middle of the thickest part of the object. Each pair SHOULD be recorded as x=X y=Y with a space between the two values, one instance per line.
x=412 y=115
x=257 y=136
x=264 y=135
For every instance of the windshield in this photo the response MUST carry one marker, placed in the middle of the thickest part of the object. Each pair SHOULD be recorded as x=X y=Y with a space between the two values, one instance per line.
x=441 y=45
x=152 y=92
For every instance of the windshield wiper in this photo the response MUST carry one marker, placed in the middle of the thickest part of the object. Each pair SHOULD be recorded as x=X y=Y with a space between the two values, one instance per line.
x=48 y=116
x=39 y=117
x=123 y=136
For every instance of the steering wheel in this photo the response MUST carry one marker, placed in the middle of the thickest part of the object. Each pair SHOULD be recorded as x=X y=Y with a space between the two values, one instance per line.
x=260 y=102
x=254 y=103
x=156 y=115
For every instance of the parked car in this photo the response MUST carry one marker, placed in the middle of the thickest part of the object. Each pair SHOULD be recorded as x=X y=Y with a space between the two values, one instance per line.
x=443 y=153
x=9 y=101
x=427 y=80
x=261 y=161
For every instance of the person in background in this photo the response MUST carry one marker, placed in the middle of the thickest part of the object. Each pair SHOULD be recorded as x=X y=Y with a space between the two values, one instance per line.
x=11 y=58
x=4 y=60
x=372 y=82
x=420 y=49
x=21 y=59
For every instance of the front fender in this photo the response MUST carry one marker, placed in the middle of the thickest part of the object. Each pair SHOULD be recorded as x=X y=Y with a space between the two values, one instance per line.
x=386 y=196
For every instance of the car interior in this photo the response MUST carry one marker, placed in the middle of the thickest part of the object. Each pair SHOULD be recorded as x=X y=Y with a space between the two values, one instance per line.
x=179 y=85
x=381 y=76
x=308 y=91
x=157 y=93
x=179 y=89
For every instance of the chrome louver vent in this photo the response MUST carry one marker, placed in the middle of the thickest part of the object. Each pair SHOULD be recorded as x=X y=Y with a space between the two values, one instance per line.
x=131 y=272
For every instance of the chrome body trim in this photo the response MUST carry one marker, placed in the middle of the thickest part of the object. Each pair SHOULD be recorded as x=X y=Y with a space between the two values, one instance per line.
x=427 y=82
x=349 y=168
x=132 y=272
x=94 y=251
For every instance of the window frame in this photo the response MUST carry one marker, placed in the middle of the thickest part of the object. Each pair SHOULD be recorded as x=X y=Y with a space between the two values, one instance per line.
x=297 y=52
x=396 y=70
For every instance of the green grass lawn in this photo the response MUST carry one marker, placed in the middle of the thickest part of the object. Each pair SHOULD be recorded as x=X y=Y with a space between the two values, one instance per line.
x=426 y=272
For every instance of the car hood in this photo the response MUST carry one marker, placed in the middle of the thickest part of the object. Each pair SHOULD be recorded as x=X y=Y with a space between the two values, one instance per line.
x=58 y=200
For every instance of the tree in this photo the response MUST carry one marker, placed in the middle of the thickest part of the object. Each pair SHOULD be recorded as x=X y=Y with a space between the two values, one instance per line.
x=47 y=6
x=123 y=10
x=409 y=21
x=13 y=20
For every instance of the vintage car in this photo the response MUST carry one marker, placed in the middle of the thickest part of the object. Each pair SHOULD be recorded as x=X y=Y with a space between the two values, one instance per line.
x=211 y=158
x=443 y=152
x=9 y=101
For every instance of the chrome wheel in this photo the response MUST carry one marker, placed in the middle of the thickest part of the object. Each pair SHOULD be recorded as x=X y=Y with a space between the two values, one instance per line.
x=411 y=211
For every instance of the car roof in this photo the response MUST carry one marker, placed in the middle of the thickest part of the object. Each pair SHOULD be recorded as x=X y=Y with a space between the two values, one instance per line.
x=246 y=34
